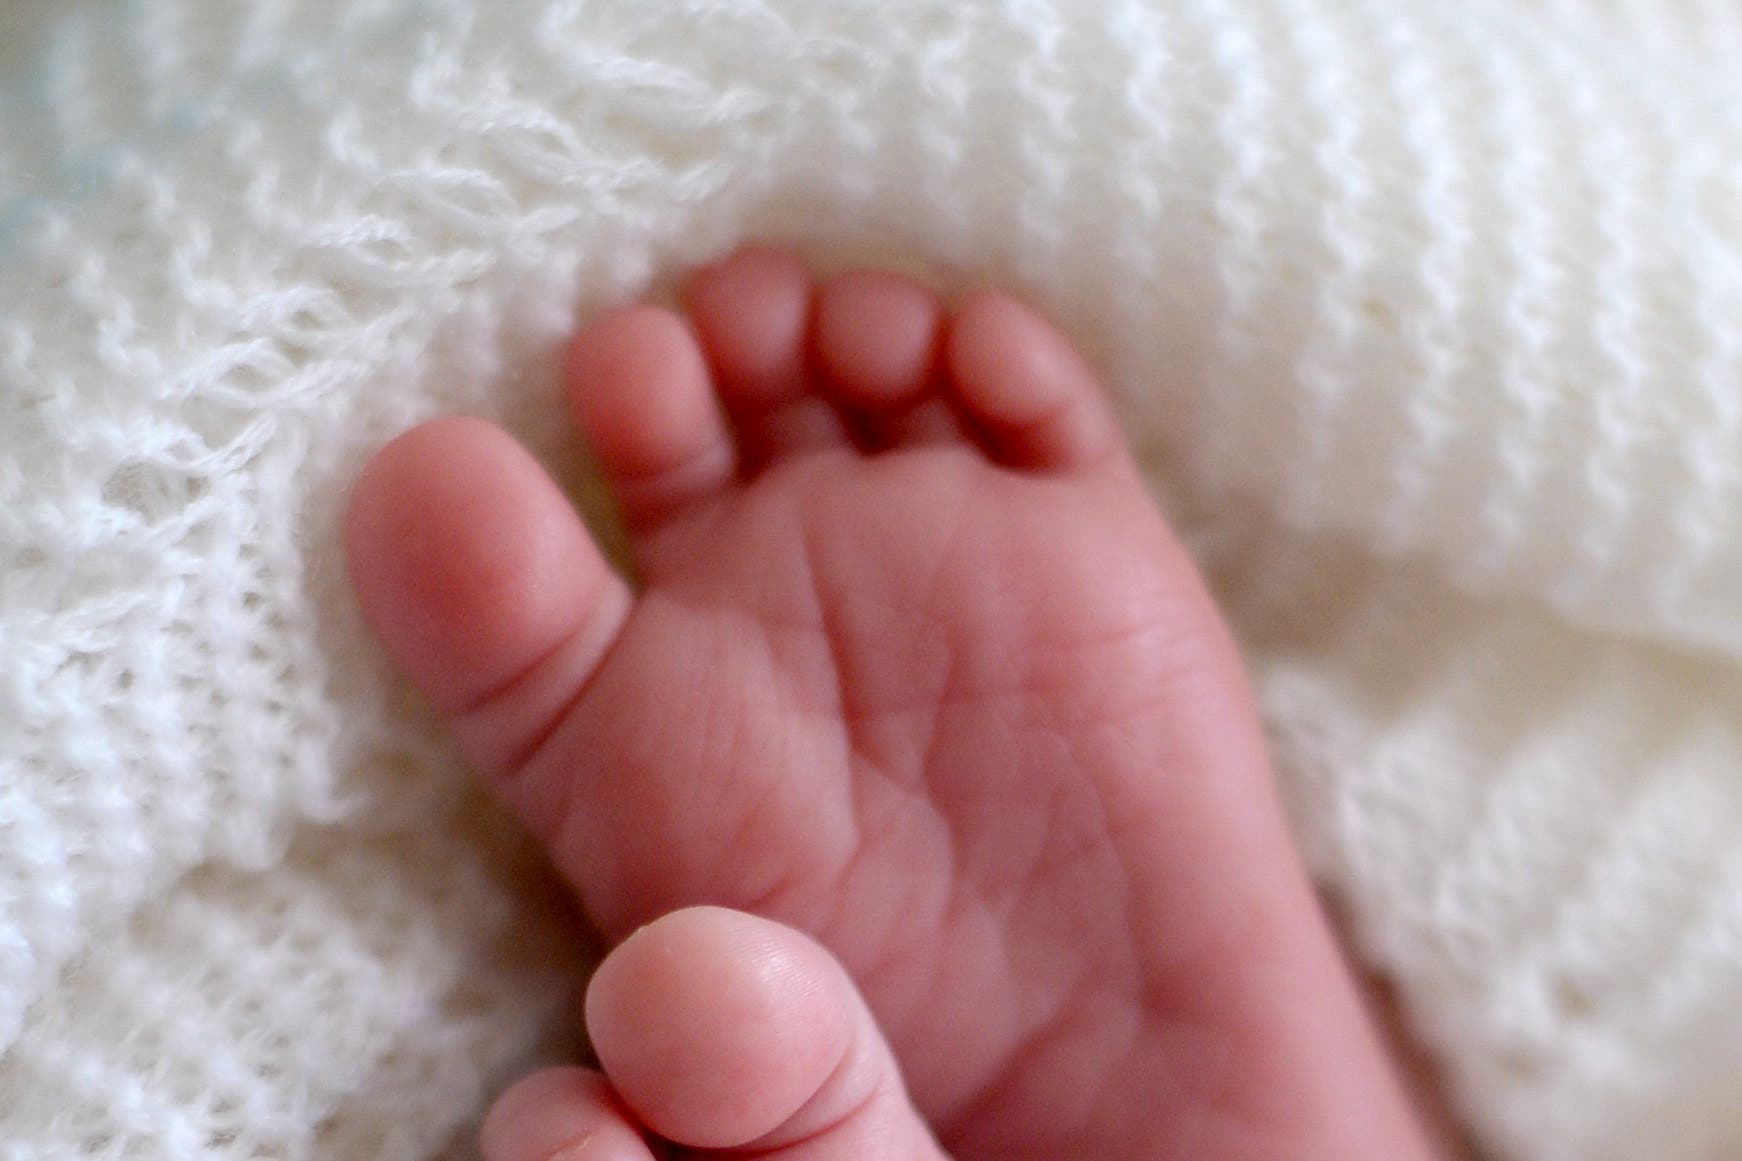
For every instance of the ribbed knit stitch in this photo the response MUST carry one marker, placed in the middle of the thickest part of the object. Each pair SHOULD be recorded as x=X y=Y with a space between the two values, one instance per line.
x=1422 y=314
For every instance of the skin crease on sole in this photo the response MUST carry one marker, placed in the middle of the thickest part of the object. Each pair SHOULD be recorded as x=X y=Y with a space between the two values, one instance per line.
x=918 y=680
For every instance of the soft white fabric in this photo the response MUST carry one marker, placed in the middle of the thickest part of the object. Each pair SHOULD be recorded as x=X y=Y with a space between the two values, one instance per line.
x=1427 y=317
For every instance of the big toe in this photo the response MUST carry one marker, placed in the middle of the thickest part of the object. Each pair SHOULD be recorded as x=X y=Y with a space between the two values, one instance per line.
x=722 y=1030
x=482 y=583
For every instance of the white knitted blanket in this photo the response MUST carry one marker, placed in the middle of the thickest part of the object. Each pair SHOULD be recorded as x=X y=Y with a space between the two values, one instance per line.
x=1427 y=316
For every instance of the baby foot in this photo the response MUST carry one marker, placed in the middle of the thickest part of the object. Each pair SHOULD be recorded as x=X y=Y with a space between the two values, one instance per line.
x=917 y=669
x=719 y=1030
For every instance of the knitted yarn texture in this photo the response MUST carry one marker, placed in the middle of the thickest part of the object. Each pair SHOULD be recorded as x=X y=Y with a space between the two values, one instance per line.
x=1423 y=316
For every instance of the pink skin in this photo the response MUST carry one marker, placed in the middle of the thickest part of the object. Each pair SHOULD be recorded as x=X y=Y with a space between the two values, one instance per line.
x=724 y=1030
x=918 y=671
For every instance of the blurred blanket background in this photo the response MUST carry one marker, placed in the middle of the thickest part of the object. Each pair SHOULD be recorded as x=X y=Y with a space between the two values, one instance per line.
x=1426 y=318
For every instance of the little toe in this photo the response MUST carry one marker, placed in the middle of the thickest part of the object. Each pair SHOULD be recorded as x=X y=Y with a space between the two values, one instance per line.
x=482 y=583
x=723 y=1030
x=1026 y=389
x=752 y=312
x=876 y=339
x=563 y=1114
x=640 y=391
